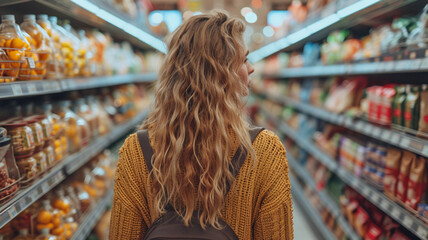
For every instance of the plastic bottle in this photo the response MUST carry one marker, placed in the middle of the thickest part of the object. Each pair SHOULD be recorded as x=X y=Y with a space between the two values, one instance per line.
x=55 y=67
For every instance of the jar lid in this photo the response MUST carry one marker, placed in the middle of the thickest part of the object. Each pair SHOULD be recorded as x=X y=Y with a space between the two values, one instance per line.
x=31 y=120
x=4 y=140
x=23 y=156
x=16 y=123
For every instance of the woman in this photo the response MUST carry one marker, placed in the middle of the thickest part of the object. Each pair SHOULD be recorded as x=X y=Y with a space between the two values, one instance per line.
x=196 y=125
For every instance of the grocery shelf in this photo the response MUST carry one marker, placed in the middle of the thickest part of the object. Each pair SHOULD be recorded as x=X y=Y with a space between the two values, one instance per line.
x=328 y=202
x=397 y=212
x=33 y=88
x=91 y=218
x=393 y=137
x=100 y=15
x=56 y=175
x=311 y=213
x=389 y=67
x=339 y=18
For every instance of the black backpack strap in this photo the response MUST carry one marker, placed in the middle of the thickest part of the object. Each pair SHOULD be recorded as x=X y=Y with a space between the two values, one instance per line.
x=143 y=138
x=239 y=157
x=237 y=160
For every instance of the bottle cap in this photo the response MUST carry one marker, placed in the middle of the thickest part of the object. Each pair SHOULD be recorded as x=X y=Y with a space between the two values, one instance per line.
x=8 y=17
x=42 y=17
x=53 y=19
x=30 y=17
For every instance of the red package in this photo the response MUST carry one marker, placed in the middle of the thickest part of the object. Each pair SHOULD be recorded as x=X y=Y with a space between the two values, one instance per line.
x=403 y=176
x=388 y=227
x=362 y=221
x=351 y=210
x=399 y=236
x=392 y=170
x=417 y=183
x=373 y=232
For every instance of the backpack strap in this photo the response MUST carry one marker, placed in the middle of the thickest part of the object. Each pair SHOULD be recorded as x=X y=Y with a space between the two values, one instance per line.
x=237 y=160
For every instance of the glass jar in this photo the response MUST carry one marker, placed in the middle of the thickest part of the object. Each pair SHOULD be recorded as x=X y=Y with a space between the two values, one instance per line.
x=23 y=235
x=14 y=43
x=42 y=163
x=72 y=130
x=84 y=199
x=27 y=166
x=37 y=133
x=46 y=128
x=50 y=155
x=22 y=137
x=9 y=174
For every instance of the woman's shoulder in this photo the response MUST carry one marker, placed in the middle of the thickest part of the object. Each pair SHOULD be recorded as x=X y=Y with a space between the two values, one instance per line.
x=270 y=151
x=131 y=156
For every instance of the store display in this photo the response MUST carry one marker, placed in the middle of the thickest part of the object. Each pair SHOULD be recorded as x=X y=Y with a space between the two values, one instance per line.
x=9 y=174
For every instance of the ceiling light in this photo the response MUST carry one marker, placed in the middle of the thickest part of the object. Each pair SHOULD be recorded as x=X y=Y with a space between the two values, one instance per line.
x=251 y=17
x=268 y=31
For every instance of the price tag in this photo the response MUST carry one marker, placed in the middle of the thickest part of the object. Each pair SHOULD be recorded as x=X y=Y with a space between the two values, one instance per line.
x=425 y=151
x=381 y=66
x=31 y=88
x=31 y=62
x=4 y=218
x=39 y=191
x=401 y=65
x=384 y=204
x=376 y=132
x=18 y=205
x=405 y=142
x=415 y=64
x=422 y=231
x=359 y=126
x=16 y=89
x=389 y=66
x=395 y=212
x=416 y=145
x=395 y=138
x=424 y=65
x=407 y=221
x=368 y=128
x=366 y=191
x=348 y=122
x=28 y=200
x=386 y=134
x=12 y=212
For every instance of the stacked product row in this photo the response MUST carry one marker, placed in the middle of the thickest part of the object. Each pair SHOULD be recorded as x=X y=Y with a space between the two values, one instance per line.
x=404 y=38
x=43 y=49
x=59 y=213
x=39 y=135
x=354 y=207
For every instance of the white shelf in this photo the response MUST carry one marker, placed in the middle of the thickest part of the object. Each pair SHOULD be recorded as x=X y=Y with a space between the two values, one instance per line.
x=393 y=137
x=99 y=15
x=336 y=17
x=28 y=196
x=390 y=67
x=91 y=219
x=312 y=214
x=328 y=202
x=398 y=213
x=42 y=87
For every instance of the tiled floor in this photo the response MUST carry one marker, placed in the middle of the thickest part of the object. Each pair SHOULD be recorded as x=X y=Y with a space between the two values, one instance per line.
x=302 y=229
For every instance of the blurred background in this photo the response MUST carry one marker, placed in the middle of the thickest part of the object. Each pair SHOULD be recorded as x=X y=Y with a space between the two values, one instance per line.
x=342 y=82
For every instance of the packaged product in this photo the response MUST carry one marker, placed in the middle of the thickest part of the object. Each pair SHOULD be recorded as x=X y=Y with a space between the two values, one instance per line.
x=347 y=154
x=37 y=133
x=423 y=119
x=362 y=221
x=398 y=105
x=15 y=45
x=411 y=107
x=417 y=183
x=374 y=232
x=48 y=218
x=9 y=174
x=423 y=210
x=28 y=168
x=42 y=48
x=67 y=48
x=392 y=170
x=387 y=97
x=403 y=176
x=55 y=66
x=45 y=235
x=398 y=235
x=72 y=130
x=359 y=160
x=22 y=137
x=42 y=163
x=351 y=210
x=84 y=199
x=388 y=227
x=84 y=111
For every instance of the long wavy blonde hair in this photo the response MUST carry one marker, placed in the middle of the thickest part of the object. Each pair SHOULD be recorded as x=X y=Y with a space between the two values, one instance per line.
x=198 y=104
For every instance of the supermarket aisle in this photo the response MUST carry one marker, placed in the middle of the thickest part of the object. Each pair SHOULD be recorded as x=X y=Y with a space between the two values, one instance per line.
x=302 y=229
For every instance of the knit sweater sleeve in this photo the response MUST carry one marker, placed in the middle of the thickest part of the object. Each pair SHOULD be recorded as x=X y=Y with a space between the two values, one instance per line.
x=275 y=216
x=130 y=213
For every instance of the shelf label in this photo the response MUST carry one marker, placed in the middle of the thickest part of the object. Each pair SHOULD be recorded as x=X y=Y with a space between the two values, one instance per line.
x=422 y=232
x=359 y=126
x=376 y=132
x=405 y=142
x=384 y=204
x=365 y=190
x=386 y=135
x=424 y=65
x=27 y=200
x=381 y=66
x=18 y=206
x=16 y=89
x=416 y=145
x=416 y=64
x=389 y=66
x=395 y=213
x=368 y=128
x=4 y=218
x=425 y=151
x=31 y=62
x=12 y=212
x=407 y=221
x=39 y=191
x=348 y=122
x=395 y=138
x=31 y=88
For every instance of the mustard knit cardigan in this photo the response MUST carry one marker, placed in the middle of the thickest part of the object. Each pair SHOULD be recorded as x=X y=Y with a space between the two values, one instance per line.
x=258 y=205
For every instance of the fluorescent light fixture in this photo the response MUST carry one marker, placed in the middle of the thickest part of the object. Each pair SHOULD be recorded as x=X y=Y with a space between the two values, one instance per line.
x=356 y=7
x=317 y=26
x=119 y=23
